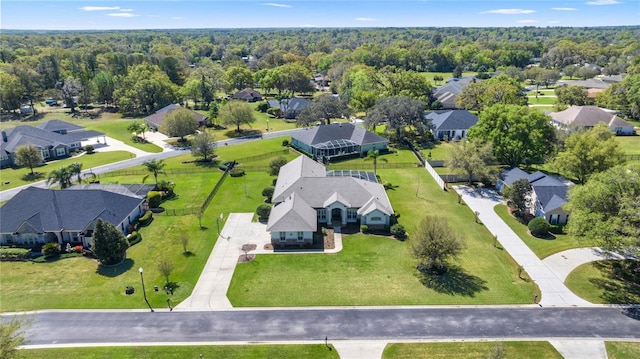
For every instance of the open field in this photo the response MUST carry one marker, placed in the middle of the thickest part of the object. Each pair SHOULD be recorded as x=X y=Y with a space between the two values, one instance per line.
x=292 y=351
x=541 y=247
x=373 y=270
x=18 y=176
x=598 y=283
x=623 y=350
x=469 y=350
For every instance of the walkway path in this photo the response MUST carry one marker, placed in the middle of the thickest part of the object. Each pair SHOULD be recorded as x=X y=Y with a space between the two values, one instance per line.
x=565 y=262
x=552 y=288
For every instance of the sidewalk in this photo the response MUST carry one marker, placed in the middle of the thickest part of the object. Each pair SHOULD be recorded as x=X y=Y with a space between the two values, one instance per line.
x=552 y=288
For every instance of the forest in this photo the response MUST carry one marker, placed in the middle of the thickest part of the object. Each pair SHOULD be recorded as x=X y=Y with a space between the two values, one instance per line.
x=140 y=71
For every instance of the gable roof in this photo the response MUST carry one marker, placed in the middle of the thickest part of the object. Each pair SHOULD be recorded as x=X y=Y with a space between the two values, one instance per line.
x=318 y=135
x=58 y=125
x=294 y=214
x=162 y=113
x=511 y=175
x=30 y=135
x=550 y=191
x=131 y=190
x=246 y=94
x=295 y=104
x=587 y=116
x=587 y=84
x=47 y=210
x=452 y=120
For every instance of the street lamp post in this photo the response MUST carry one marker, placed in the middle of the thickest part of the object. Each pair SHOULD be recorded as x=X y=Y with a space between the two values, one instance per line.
x=267 y=125
x=144 y=292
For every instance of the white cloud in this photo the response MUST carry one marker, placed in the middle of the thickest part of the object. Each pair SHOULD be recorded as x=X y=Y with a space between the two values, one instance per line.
x=122 y=14
x=99 y=8
x=603 y=2
x=563 y=8
x=127 y=10
x=277 y=5
x=509 y=11
x=527 y=21
x=365 y=19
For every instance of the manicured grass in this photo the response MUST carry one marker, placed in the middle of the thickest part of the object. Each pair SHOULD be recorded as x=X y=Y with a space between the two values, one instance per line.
x=445 y=75
x=629 y=144
x=469 y=350
x=293 y=351
x=439 y=152
x=623 y=350
x=117 y=128
x=541 y=100
x=374 y=270
x=598 y=283
x=19 y=176
x=541 y=247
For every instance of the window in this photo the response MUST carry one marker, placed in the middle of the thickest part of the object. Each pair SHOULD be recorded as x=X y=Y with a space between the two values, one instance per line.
x=322 y=213
x=300 y=236
x=375 y=219
x=352 y=213
x=61 y=151
x=283 y=236
x=554 y=219
x=45 y=153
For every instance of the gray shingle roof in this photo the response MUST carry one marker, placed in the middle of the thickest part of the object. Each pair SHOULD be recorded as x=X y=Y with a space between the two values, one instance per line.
x=587 y=116
x=160 y=115
x=131 y=190
x=294 y=214
x=587 y=84
x=49 y=210
x=247 y=94
x=511 y=175
x=326 y=133
x=58 y=125
x=452 y=120
x=30 y=135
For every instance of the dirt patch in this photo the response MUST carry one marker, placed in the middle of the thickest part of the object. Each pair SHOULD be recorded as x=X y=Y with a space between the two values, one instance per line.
x=246 y=256
x=329 y=241
x=268 y=247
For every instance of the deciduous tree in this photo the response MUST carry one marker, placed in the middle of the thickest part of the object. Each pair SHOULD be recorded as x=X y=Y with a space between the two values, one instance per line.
x=236 y=113
x=606 y=208
x=571 y=95
x=165 y=267
x=180 y=123
x=519 y=134
x=322 y=108
x=203 y=145
x=109 y=244
x=517 y=196
x=275 y=164
x=501 y=89
x=471 y=158
x=400 y=113
x=434 y=244
x=28 y=156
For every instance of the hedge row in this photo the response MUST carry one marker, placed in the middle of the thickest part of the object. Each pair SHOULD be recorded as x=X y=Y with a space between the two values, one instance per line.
x=13 y=254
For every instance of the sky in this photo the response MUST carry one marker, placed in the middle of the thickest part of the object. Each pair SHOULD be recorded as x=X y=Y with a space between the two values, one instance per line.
x=177 y=14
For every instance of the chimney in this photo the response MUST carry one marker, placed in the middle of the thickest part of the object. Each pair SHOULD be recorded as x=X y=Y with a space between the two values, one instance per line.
x=4 y=136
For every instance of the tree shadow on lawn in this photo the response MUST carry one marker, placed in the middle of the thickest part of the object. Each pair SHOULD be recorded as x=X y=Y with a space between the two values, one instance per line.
x=36 y=176
x=243 y=133
x=454 y=282
x=116 y=270
x=617 y=289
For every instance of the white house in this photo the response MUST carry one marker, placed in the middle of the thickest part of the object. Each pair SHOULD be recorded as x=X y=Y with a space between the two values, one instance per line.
x=589 y=116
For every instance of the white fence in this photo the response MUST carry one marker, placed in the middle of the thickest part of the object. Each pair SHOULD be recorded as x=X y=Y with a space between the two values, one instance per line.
x=435 y=176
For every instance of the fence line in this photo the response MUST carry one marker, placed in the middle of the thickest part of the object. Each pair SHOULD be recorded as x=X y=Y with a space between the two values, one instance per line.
x=435 y=176
x=167 y=171
x=632 y=157
x=369 y=166
x=213 y=192
x=283 y=151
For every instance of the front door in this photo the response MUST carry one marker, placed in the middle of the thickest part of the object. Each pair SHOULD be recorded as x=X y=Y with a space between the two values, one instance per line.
x=336 y=215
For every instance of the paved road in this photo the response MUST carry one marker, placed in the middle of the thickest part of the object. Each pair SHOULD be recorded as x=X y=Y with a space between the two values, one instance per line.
x=8 y=194
x=530 y=322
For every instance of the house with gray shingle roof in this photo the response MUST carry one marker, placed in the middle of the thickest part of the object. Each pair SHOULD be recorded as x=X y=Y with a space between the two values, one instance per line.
x=337 y=140
x=589 y=116
x=55 y=139
x=305 y=198
x=155 y=121
x=37 y=216
x=249 y=95
x=548 y=193
x=447 y=93
x=452 y=124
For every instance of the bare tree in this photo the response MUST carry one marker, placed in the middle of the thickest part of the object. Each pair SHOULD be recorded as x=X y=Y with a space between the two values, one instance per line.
x=165 y=267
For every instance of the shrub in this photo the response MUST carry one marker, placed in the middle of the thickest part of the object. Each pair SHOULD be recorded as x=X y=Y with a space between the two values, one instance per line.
x=268 y=192
x=13 y=254
x=145 y=219
x=236 y=172
x=154 y=198
x=285 y=143
x=397 y=230
x=262 y=107
x=539 y=226
x=263 y=211
x=557 y=229
x=364 y=228
x=51 y=249
x=89 y=148
x=134 y=237
x=274 y=111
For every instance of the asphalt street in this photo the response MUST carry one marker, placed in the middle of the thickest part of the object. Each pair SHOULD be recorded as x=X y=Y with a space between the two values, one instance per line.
x=61 y=327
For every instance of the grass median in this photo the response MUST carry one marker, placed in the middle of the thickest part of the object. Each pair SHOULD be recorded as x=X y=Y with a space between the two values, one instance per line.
x=464 y=350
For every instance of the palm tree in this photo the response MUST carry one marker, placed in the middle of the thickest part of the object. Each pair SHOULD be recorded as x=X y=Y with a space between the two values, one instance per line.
x=373 y=155
x=75 y=169
x=137 y=128
x=61 y=176
x=155 y=167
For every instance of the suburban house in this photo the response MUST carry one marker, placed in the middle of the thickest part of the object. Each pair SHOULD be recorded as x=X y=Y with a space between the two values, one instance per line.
x=154 y=121
x=249 y=95
x=37 y=216
x=307 y=196
x=589 y=116
x=291 y=108
x=447 y=93
x=452 y=124
x=56 y=139
x=321 y=82
x=324 y=142
x=548 y=193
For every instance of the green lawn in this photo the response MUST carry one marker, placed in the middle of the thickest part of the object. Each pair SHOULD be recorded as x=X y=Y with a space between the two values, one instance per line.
x=439 y=152
x=16 y=177
x=623 y=350
x=629 y=144
x=541 y=100
x=541 y=247
x=374 y=270
x=117 y=128
x=598 y=283
x=464 y=350
x=292 y=351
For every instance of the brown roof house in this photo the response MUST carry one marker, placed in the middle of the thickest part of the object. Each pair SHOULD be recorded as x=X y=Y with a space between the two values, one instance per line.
x=307 y=195
x=589 y=116
x=154 y=121
x=248 y=95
